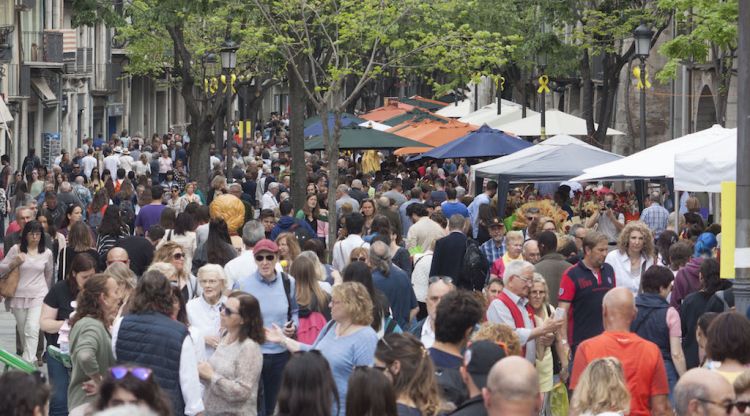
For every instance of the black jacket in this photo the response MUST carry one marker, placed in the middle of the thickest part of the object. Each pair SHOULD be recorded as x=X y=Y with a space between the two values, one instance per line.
x=449 y=254
x=471 y=407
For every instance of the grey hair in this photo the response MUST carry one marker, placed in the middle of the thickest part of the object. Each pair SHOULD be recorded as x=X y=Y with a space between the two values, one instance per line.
x=214 y=269
x=380 y=257
x=456 y=222
x=515 y=268
x=574 y=228
x=460 y=192
x=684 y=393
x=167 y=269
x=65 y=187
x=252 y=232
x=321 y=269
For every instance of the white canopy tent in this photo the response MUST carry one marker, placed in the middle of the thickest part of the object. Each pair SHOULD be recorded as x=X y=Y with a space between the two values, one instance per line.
x=656 y=162
x=488 y=114
x=375 y=125
x=556 y=122
x=5 y=117
x=703 y=169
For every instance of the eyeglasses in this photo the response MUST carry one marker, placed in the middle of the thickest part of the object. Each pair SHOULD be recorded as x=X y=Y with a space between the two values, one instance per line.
x=267 y=257
x=446 y=279
x=178 y=256
x=728 y=406
x=741 y=406
x=226 y=311
x=526 y=280
x=141 y=373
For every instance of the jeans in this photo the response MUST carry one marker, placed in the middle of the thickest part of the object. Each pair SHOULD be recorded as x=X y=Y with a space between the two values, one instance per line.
x=672 y=378
x=27 y=323
x=59 y=378
x=273 y=366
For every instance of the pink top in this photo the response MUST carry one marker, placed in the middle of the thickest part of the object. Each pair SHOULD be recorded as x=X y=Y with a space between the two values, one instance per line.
x=35 y=277
x=165 y=164
x=674 y=323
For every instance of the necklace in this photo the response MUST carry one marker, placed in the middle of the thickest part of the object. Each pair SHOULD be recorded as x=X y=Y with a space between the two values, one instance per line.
x=343 y=330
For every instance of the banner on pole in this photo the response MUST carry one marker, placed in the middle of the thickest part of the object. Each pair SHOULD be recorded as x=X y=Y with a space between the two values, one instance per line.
x=728 y=219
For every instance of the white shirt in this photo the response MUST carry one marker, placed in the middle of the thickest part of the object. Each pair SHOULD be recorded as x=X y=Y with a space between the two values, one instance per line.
x=206 y=318
x=342 y=249
x=620 y=262
x=88 y=163
x=190 y=384
x=126 y=162
x=268 y=201
x=141 y=168
x=111 y=163
x=607 y=227
x=420 y=276
x=428 y=334
x=499 y=314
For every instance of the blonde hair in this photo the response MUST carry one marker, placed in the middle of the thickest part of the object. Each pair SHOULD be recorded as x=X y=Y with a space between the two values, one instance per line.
x=502 y=333
x=601 y=388
x=164 y=268
x=291 y=243
x=164 y=255
x=648 y=238
x=122 y=274
x=358 y=251
x=514 y=235
x=356 y=301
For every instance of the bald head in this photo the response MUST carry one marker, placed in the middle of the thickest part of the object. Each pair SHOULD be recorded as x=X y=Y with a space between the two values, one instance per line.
x=512 y=388
x=698 y=385
x=619 y=309
x=117 y=255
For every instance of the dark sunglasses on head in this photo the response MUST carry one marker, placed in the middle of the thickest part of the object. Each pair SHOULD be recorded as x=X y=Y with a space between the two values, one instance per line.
x=178 y=256
x=363 y=259
x=446 y=279
x=141 y=373
x=268 y=257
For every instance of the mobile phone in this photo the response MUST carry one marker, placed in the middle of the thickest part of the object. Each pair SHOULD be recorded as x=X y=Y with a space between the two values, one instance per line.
x=559 y=313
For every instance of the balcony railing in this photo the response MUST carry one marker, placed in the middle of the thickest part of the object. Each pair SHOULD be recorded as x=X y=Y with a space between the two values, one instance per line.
x=79 y=62
x=46 y=46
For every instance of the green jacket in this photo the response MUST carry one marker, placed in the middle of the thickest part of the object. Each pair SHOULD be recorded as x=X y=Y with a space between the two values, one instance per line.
x=91 y=353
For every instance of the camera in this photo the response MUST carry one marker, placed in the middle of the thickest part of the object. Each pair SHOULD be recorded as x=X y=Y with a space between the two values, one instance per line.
x=609 y=204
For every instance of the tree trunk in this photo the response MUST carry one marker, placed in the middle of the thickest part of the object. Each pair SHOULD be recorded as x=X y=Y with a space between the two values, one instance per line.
x=297 y=103
x=587 y=85
x=607 y=101
x=201 y=137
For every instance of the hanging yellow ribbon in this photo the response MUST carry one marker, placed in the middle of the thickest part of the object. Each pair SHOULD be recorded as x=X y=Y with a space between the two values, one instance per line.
x=233 y=79
x=543 y=81
x=210 y=85
x=500 y=83
x=637 y=74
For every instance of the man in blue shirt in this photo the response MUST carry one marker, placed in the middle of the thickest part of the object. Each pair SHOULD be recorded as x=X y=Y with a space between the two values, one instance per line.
x=655 y=215
x=394 y=283
x=481 y=199
x=406 y=222
x=453 y=206
x=494 y=248
x=275 y=292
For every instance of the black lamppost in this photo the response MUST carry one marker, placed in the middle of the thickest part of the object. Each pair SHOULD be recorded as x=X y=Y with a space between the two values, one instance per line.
x=642 y=35
x=541 y=60
x=228 y=63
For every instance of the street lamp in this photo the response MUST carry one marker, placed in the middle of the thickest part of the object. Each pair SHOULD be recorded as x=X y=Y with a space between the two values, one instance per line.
x=228 y=63
x=642 y=37
x=541 y=60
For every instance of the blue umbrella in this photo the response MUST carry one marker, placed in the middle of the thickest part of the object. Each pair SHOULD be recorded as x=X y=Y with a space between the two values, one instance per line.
x=479 y=143
x=316 y=128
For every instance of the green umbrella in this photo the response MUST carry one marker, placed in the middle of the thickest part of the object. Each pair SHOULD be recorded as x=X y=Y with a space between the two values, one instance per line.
x=413 y=116
x=356 y=137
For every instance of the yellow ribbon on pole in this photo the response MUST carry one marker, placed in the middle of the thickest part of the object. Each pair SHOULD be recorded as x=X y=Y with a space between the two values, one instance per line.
x=543 y=82
x=500 y=83
x=211 y=85
x=637 y=74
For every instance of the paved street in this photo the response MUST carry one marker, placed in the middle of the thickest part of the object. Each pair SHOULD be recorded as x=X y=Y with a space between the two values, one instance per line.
x=7 y=332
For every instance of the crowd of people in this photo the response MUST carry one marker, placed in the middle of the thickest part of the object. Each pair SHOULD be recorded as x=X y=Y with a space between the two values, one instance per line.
x=140 y=290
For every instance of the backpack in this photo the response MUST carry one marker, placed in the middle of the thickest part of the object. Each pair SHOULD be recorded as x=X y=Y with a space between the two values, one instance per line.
x=310 y=327
x=452 y=387
x=300 y=232
x=127 y=212
x=474 y=268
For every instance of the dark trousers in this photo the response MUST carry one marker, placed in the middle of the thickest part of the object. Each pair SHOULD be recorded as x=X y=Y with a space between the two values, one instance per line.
x=59 y=378
x=273 y=366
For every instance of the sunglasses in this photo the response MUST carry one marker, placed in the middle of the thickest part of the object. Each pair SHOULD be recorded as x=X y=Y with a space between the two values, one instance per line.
x=178 y=256
x=226 y=311
x=741 y=406
x=267 y=257
x=447 y=280
x=362 y=259
x=141 y=373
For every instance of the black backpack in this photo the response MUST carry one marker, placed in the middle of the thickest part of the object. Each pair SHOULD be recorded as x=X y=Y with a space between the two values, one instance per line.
x=300 y=232
x=474 y=268
x=127 y=212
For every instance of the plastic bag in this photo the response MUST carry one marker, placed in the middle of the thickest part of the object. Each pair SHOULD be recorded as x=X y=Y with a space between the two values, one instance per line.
x=559 y=400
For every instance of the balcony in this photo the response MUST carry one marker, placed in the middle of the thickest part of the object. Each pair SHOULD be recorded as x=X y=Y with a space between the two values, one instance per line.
x=80 y=62
x=43 y=49
x=106 y=79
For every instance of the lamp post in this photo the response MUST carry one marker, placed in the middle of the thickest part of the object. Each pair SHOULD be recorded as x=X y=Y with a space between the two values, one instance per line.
x=228 y=63
x=642 y=35
x=541 y=60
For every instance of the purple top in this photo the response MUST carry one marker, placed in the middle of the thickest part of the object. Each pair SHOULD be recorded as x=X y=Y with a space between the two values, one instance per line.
x=686 y=282
x=148 y=216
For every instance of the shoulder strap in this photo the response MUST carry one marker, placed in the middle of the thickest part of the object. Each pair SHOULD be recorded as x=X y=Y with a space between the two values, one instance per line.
x=287 y=289
x=391 y=326
x=514 y=312
x=645 y=317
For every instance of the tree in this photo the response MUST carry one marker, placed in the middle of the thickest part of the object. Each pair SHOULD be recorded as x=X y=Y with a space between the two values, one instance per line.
x=178 y=36
x=710 y=36
x=325 y=43
x=603 y=33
